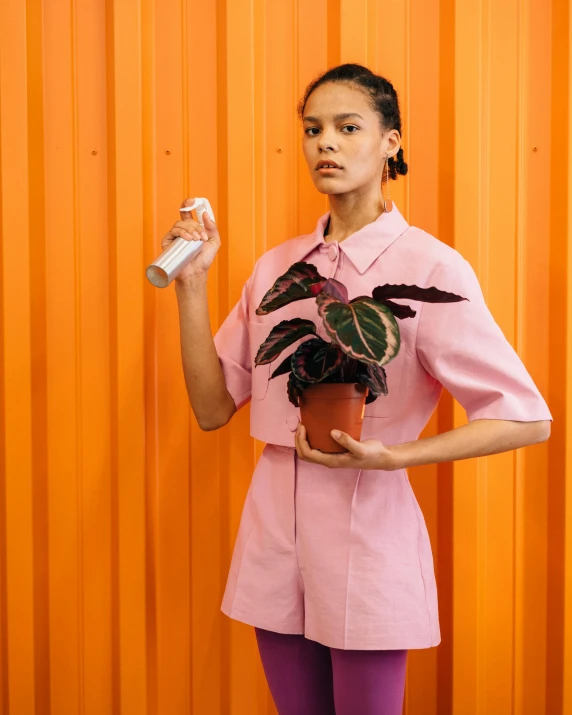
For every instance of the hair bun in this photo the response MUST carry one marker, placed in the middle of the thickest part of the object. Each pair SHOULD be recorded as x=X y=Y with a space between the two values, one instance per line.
x=401 y=167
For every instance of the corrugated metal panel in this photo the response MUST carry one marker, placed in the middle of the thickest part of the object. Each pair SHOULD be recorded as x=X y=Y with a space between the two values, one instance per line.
x=117 y=515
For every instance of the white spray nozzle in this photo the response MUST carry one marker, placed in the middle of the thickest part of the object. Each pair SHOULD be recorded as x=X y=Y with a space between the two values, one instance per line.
x=200 y=205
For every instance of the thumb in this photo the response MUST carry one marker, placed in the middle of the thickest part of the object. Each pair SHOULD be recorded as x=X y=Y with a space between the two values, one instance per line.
x=348 y=442
x=210 y=225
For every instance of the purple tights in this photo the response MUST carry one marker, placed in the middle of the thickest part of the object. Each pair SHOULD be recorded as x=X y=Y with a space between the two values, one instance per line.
x=308 y=678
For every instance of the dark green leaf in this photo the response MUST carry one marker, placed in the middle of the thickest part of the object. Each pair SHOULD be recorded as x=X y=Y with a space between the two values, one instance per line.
x=295 y=388
x=375 y=377
x=398 y=310
x=413 y=292
x=284 y=367
x=364 y=329
x=281 y=336
x=291 y=286
x=315 y=359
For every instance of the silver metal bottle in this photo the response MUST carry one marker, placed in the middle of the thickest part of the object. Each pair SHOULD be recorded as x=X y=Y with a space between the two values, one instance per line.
x=174 y=258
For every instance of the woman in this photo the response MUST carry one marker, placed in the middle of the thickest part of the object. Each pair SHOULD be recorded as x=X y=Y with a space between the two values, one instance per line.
x=332 y=564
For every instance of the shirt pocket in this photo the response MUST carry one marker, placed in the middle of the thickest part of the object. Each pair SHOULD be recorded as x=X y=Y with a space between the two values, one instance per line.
x=258 y=332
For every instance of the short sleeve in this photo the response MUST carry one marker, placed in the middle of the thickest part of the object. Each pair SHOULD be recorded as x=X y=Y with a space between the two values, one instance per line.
x=461 y=346
x=232 y=344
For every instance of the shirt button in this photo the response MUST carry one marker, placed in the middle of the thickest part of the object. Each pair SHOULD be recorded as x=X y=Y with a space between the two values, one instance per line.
x=292 y=422
x=333 y=252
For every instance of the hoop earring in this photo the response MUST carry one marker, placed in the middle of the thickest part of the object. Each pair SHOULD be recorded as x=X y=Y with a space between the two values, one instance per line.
x=387 y=202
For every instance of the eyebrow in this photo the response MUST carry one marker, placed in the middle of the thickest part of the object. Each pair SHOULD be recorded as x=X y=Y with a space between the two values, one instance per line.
x=337 y=117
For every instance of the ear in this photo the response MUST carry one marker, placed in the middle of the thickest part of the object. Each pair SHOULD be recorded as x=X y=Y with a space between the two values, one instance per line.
x=392 y=143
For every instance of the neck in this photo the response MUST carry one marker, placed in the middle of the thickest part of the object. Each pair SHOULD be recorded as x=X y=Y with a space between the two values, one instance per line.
x=351 y=212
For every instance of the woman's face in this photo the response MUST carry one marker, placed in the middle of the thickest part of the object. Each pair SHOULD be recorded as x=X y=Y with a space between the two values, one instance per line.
x=339 y=125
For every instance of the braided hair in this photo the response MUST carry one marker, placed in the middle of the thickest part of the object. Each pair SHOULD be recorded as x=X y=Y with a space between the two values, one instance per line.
x=382 y=97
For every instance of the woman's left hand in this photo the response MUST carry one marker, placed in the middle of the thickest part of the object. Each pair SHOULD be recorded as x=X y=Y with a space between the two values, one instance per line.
x=369 y=454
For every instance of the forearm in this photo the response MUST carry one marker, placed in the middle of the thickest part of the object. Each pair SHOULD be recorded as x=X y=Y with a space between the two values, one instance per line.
x=206 y=387
x=475 y=439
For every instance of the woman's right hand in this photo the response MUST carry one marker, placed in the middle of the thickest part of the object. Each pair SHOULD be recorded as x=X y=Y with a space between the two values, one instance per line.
x=193 y=231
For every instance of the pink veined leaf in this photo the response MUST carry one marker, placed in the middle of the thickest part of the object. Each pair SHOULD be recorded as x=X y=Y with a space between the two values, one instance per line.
x=281 y=336
x=336 y=289
x=293 y=285
x=413 y=292
x=323 y=300
x=364 y=329
x=316 y=359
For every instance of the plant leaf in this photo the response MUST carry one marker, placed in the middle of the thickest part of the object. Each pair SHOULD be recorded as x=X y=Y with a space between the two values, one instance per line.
x=324 y=299
x=316 y=359
x=294 y=388
x=398 y=310
x=281 y=336
x=413 y=292
x=315 y=288
x=284 y=367
x=364 y=329
x=375 y=377
x=292 y=285
x=336 y=289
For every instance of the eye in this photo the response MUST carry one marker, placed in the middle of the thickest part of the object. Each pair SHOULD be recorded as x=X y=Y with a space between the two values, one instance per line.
x=351 y=126
x=308 y=130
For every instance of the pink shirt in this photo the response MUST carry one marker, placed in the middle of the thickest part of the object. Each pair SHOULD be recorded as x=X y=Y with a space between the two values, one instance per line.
x=387 y=596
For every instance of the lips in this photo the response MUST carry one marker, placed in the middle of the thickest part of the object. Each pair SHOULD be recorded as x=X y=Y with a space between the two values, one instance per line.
x=323 y=164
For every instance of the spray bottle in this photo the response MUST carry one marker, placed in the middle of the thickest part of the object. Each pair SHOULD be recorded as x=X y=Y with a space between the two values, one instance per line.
x=174 y=258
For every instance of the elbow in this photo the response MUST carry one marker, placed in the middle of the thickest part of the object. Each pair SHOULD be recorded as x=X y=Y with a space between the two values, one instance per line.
x=212 y=422
x=545 y=427
x=541 y=432
x=211 y=419
x=210 y=425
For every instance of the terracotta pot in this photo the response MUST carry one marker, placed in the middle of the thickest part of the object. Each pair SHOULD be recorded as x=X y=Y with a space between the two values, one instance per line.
x=328 y=406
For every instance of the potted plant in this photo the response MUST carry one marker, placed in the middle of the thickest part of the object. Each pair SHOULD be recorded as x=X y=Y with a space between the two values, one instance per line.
x=332 y=381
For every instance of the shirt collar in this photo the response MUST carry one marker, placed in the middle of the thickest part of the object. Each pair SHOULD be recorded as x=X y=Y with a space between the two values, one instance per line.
x=364 y=246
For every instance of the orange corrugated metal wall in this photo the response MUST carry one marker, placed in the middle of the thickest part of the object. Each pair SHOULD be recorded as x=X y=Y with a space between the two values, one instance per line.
x=117 y=515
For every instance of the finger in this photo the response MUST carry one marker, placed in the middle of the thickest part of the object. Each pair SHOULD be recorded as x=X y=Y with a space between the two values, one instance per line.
x=309 y=454
x=186 y=203
x=355 y=447
x=297 y=441
x=193 y=227
x=188 y=235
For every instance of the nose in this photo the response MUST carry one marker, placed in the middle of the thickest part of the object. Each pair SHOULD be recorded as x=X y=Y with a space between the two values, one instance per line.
x=326 y=140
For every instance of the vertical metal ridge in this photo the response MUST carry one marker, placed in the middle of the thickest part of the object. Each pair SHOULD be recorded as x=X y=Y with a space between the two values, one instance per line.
x=557 y=350
x=295 y=130
x=150 y=350
x=4 y=679
x=567 y=667
x=186 y=62
x=113 y=356
x=484 y=237
x=223 y=308
x=260 y=135
x=518 y=493
x=445 y=416
x=78 y=355
x=334 y=32
x=37 y=267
